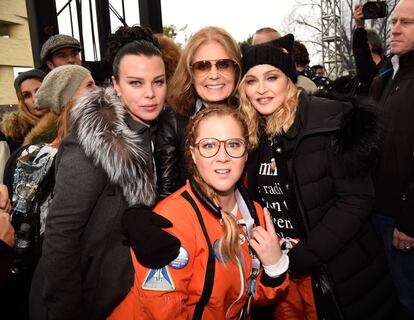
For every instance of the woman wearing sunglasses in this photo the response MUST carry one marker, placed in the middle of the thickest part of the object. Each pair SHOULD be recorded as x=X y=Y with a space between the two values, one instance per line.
x=310 y=167
x=227 y=256
x=208 y=72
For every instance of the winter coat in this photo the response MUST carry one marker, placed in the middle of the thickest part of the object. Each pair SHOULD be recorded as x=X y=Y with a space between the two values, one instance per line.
x=169 y=151
x=101 y=169
x=394 y=178
x=334 y=145
x=186 y=276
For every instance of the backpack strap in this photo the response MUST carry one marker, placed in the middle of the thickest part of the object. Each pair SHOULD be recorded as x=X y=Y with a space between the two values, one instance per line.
x=211 y=264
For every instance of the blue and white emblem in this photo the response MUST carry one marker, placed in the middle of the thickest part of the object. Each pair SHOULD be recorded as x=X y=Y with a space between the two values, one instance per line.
x=158 y=280
x=219 y=257
x=181 y=261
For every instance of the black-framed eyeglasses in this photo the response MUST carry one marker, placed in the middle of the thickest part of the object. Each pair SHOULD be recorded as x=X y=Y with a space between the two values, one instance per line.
x=224 y=66
x=209 y=147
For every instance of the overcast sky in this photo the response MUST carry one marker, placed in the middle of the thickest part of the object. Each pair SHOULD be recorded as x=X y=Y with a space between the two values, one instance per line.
x=239 y=17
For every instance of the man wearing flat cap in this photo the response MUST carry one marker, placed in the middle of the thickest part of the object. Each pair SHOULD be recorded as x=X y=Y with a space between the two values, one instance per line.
x=59 y=50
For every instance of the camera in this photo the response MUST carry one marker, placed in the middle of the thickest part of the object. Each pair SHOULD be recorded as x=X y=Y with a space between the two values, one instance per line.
x=375 y=9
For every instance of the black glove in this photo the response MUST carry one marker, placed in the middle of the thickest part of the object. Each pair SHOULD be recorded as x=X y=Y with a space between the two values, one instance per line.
x=153 y=247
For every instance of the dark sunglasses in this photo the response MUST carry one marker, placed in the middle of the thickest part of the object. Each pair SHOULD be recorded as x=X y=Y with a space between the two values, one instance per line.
x=222 y=65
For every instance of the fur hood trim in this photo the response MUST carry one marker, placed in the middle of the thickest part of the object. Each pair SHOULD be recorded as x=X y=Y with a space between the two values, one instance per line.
x=12 y=126
x=99 y=126
x=356 y=144
x=44 y=131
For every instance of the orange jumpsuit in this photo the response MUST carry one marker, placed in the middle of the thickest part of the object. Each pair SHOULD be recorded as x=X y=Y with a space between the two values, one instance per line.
x=181 y=283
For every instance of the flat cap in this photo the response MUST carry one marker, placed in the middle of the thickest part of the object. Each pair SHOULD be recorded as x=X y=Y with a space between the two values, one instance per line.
x=57 y=42
x=30 y=74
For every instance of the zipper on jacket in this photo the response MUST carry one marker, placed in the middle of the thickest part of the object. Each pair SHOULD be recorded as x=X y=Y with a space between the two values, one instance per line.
x=242 y=281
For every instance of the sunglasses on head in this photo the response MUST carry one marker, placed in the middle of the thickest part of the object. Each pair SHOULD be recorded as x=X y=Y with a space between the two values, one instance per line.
x=204 y=66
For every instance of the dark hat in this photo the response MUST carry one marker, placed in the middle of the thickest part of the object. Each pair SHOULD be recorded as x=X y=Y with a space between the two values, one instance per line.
x=33 y=73
x=269 y=54
x=57 y=42
x=285 y=42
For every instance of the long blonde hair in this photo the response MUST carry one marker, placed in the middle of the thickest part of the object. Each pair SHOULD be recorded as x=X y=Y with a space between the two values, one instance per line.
x=181 y=93
x=276 y=123
x=229 y=245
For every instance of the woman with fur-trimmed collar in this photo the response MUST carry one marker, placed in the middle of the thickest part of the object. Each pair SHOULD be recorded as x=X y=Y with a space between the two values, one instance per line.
x=311 y=169
x=103 y=167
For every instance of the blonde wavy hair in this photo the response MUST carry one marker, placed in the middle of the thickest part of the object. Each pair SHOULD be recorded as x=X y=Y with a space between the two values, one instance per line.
x=181 y=93
x=229 y=245
x=278 y=122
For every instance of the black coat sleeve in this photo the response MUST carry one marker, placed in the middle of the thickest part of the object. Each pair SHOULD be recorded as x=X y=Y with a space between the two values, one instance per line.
x=365 y=66
x=78 y=186
x=167 y=152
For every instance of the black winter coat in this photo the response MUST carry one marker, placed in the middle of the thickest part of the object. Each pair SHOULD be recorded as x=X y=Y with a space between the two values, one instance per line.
x=394 y=179
x=169 y=152
x=334 y=146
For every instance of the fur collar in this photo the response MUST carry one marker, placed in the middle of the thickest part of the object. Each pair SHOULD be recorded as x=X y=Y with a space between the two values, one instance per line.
x=99 y=125
x=356 y=144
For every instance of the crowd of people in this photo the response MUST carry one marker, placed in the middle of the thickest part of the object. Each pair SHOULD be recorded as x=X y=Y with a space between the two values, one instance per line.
x=210 y=181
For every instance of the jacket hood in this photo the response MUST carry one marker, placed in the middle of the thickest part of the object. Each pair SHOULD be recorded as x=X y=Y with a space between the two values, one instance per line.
x=356 y=127
x=356 y=144
x=99 y=125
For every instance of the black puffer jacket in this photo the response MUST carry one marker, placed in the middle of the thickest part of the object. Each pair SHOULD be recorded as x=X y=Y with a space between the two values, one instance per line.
x=334 y=145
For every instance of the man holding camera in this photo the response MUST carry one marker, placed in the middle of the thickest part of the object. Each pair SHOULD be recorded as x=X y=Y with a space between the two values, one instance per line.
x=368 y=50
x=394 y=178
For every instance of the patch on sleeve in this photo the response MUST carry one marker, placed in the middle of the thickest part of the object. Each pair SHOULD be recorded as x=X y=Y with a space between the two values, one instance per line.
x=181 y=261
x=159 y=280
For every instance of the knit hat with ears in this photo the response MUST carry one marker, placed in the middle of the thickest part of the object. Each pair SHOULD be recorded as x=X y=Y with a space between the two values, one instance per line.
x=59 y=86
x=269 y=54
x=285 y=42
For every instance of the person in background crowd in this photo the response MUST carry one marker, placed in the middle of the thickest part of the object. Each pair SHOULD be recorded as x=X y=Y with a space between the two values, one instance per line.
x=318 y=70
x=60 y=49
x=29 y=176
x=322 y=82
x=219 y=227
x=310 y=166
x=208 y=72
x=16 y=125
x=106 y=163
x=368 y=51
x=393 y=89
x=264 y=35
x=301 y=57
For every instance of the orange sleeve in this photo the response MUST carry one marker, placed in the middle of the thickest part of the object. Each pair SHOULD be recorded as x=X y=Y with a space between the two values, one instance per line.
x=163 y=293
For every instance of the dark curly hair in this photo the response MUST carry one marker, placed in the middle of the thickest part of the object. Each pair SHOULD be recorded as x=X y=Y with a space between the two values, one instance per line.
x=124 y=35
x=300 y=54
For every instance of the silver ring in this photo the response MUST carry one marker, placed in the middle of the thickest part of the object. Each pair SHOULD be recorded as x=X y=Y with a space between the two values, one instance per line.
x=407 y=247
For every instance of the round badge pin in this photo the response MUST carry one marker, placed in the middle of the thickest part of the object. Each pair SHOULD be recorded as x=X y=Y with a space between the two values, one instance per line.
x=181 y=261
x=219 y=257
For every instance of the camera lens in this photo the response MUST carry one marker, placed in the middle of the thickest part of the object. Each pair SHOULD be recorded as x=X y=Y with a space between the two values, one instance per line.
x=374 y=9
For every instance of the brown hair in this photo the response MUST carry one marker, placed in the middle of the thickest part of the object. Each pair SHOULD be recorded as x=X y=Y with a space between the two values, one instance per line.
x=229 y=244
x=278 y=122
x=181 y=93
x=170 y=53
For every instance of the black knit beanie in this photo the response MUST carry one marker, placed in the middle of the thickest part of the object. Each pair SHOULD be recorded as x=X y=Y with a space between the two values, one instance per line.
x=268 y=54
